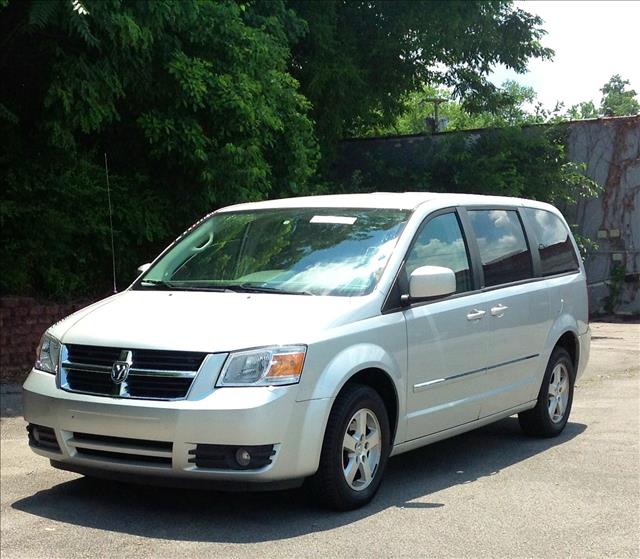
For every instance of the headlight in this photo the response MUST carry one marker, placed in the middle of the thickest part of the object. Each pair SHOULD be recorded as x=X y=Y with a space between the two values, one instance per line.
x=263 y=367
x=48 y=354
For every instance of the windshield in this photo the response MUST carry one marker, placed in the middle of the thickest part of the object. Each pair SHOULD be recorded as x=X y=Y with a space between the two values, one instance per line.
x=324 y=251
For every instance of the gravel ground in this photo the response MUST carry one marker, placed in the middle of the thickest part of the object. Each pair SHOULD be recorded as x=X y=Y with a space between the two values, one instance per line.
x=488 y=493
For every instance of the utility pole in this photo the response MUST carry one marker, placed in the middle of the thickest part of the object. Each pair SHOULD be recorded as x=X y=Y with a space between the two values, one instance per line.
x=434 y=123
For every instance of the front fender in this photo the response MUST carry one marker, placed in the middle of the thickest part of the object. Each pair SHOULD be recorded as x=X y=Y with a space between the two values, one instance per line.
x=352 y=360
x=359 y=357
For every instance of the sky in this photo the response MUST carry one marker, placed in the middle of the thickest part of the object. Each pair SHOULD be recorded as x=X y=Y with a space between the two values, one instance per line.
x=592 y=40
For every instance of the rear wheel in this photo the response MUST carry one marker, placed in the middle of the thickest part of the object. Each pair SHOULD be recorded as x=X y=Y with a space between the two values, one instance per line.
x=354 y=451
x=553 y=407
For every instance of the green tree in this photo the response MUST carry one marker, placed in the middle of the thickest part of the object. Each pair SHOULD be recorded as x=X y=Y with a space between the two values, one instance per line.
x=360 y=59
x=192 y=100
x=583 y=110
x=201 y=103
x=517 y=107
x=529 y=162
x=617 y=100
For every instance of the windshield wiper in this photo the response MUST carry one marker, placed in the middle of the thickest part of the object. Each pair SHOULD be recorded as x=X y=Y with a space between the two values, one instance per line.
x=157 y=283
x=177 y=287
x=231 y=287
x=251 y=288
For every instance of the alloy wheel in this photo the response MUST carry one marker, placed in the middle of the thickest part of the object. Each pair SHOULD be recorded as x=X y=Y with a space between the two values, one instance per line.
x=361 y=449
x=558 y=393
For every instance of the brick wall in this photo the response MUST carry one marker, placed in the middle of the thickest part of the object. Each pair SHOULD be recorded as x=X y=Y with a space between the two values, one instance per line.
x=22 y=321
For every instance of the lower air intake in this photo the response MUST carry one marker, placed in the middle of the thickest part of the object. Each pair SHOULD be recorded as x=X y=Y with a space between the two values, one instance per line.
x=231 y=457
x=42 y=437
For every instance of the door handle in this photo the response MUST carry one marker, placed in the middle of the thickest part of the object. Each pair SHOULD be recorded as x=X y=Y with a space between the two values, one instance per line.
x=476 y=314
x=498 y=310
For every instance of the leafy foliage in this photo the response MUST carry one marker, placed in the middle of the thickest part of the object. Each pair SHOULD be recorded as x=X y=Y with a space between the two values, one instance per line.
x=192 y=100
x=518 y=107
x=617 y=100
x=616 y=282
x=514 y=110
x=201 y=103
x=583 y=110
x=529 y=162
x=59 y=243
x=360 y=59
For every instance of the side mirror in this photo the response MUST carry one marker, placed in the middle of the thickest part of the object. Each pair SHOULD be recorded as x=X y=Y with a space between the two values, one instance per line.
x=431 y=281
x=142 y=269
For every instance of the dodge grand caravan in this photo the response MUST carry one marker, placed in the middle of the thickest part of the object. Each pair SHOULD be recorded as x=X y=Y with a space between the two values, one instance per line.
x=313 y=338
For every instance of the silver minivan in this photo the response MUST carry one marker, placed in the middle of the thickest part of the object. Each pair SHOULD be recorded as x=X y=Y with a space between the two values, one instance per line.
x=313 y=338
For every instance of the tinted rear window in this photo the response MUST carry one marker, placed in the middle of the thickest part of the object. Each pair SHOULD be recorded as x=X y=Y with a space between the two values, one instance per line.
x=503 y=247
x=557 y=254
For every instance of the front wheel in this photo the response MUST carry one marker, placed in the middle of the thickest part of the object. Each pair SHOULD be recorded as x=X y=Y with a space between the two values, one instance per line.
x=553 y=407
x=354 y=451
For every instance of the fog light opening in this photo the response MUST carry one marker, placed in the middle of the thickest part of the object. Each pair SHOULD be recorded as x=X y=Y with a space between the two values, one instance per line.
x=243 y=457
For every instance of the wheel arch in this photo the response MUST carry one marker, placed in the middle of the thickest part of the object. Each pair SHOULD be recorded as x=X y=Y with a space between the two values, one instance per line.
x=380 y=381
x=369 y=364
x=564 y=333
x=569 y=341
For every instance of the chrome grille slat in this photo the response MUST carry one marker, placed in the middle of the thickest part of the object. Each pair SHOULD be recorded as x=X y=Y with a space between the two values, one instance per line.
x=151 y=359
x=154 y=374
x=134 y=371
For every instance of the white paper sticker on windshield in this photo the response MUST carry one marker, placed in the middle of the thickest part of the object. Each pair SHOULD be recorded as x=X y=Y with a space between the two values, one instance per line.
x=340 y=219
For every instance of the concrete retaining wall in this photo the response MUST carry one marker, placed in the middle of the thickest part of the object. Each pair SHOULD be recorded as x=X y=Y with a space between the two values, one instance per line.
x=611 y=150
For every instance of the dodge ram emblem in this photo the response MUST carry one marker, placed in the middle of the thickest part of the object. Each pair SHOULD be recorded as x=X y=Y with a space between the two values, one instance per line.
x=120 y=369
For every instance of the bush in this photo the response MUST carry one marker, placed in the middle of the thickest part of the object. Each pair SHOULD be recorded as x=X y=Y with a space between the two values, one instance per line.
x=60 y=246
x=193 y=102
x=529 y=162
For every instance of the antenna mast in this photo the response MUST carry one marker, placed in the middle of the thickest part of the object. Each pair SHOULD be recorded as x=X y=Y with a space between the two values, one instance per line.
x=113 y=250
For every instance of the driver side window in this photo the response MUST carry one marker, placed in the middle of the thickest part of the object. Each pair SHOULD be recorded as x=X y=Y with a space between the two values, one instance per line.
x=441 y=243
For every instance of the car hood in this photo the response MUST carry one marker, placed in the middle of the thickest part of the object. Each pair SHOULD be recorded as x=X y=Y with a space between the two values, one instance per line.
x=207 y=321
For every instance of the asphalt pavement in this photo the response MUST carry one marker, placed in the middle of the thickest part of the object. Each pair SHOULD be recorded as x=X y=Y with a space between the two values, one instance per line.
x=489 y=493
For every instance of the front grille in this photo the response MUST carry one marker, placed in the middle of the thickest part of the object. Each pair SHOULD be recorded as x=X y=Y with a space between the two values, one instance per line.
x=92 y=355
x=156 y=359
x=153 y=374
x=42 y=437
x=89 y=381
x=122 y=449
x=168 y=387
x=168 y=360
x=223 y=457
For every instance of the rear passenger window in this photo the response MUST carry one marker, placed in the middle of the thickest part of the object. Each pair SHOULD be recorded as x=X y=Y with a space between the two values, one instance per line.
x=557 y=254
x=503 y=247
x=440 y=243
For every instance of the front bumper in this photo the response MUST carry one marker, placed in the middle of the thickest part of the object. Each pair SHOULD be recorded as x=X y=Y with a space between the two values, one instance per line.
x=227 y=416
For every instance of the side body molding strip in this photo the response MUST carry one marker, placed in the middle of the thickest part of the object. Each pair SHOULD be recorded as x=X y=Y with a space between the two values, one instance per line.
x=440 y=381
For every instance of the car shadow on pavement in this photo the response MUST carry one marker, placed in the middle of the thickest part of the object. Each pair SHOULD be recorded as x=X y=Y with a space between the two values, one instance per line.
x=412 y=480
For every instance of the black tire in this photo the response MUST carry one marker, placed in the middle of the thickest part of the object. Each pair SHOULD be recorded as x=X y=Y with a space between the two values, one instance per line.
x=329 y=485
x=537 y=422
